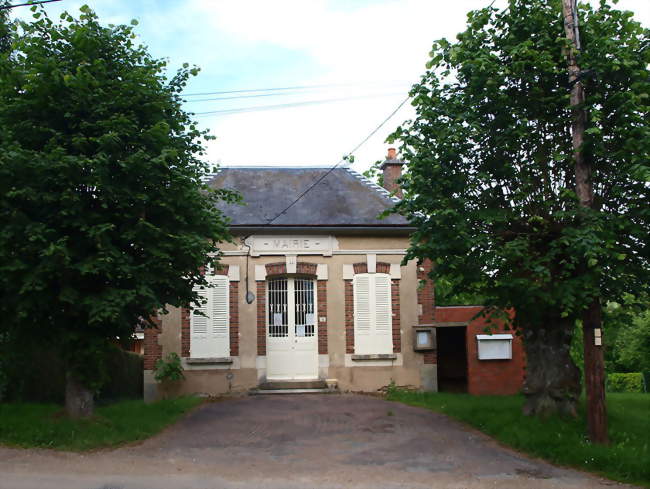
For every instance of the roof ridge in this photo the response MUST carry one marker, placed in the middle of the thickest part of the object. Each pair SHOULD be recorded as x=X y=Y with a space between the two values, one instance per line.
x=369 y=183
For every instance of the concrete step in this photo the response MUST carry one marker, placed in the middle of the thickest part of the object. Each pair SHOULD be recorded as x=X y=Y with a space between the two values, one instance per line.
x=262 y=392
x=293 y=384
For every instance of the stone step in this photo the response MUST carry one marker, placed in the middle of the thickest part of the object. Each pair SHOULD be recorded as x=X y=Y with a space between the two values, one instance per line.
x=293 y=384
x=262 y=392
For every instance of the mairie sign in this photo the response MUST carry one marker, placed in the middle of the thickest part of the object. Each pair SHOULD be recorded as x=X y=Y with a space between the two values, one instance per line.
x=279 y=245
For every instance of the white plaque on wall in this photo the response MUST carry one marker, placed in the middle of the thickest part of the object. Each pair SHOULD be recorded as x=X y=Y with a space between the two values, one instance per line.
x=298 y=245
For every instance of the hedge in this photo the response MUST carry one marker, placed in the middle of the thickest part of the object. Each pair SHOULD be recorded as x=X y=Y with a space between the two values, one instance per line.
x=37 y=375
x=629 y=382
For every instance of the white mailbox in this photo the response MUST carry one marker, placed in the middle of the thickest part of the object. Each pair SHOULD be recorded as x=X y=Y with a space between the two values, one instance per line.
x=494 y=346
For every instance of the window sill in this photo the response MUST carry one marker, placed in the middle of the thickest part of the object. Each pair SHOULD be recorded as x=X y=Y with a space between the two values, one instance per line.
x=377 y=356
x=209 y=361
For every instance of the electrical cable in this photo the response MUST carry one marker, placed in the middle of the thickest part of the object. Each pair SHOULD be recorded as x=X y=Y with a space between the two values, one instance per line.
x=257 y=108
x=297 y=87
x=27 y=4
x=345 y=158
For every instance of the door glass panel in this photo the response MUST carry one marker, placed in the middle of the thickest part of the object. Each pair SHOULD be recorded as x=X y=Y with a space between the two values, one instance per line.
x=278 y=319
x=304 y=304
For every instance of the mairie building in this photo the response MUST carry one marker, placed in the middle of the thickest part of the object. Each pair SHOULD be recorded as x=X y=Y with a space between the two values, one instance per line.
x=314 y=292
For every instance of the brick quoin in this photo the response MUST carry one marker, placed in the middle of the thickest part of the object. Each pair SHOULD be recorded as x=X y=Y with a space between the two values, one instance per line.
x=234 y=319
x=261 y=318
x=321 y=292
x=486 y=377
x=152 y=350
x=349 y=317
x=397 y=335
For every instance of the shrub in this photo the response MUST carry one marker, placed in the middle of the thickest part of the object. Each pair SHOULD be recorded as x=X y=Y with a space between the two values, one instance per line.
x=169 y=369
x=629 y=382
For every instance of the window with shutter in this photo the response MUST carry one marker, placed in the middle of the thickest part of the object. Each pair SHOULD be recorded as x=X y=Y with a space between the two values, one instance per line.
x=372 y=314
x=210 y=333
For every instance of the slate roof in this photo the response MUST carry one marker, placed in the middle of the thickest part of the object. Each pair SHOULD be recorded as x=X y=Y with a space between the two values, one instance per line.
x=343 y=198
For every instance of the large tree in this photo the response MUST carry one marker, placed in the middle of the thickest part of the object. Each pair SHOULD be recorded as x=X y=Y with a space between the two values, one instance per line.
x=105 y=218
x=490 y=184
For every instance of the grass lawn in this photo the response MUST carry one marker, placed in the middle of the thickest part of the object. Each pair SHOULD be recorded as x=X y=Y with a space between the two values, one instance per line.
x=44 y=426
x=558 y=440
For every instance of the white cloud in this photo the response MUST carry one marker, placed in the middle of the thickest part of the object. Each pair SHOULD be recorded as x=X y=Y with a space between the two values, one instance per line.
x=260 y=44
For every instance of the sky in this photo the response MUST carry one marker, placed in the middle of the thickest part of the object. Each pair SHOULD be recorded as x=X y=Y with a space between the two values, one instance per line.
x=348 y=64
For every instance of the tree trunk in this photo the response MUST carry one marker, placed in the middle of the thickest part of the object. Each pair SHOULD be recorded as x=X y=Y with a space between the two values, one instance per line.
x=595 y=374
x=79 y=401
x=552 y=382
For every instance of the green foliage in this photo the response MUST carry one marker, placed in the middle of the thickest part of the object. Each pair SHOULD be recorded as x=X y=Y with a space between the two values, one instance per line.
x=5 y=39
x=490 y=181
x=105 y=216
x=169 y=369
x=631 y=349
x=628 y=382
x=375 y=173
x=559 y=440
x=40 y=425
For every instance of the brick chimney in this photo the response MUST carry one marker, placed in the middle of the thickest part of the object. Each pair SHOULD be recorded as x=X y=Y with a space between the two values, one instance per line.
x=392 y=169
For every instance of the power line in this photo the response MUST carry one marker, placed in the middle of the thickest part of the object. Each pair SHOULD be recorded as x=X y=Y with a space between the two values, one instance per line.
x=256 y=95
x=276 y=89
x=241 y=96
x=345 y=158
x=257 y=108
x=7 y=7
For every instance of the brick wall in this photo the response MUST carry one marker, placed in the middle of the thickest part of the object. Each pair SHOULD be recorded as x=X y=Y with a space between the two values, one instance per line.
x=278 y=268
x=486 y=377
x=185 y=332
x=152 y=350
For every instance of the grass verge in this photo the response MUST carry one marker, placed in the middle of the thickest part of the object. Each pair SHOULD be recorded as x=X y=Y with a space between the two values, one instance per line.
x=44 y=426
x=558 y=440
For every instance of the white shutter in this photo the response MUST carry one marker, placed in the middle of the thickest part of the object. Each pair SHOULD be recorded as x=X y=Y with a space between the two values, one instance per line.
x=362 y=313
x=210 y=336
x=219 y=315
x=372 y=314
x=383 y=333
x=199 y=339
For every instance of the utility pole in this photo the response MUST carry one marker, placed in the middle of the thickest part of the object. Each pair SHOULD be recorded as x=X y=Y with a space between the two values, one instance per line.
x=592 y=317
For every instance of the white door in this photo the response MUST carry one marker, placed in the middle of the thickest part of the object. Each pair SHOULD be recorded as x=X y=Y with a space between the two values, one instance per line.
x=291 y=333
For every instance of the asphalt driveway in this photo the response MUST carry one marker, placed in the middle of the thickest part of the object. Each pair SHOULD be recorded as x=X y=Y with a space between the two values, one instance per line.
x=300 y=441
